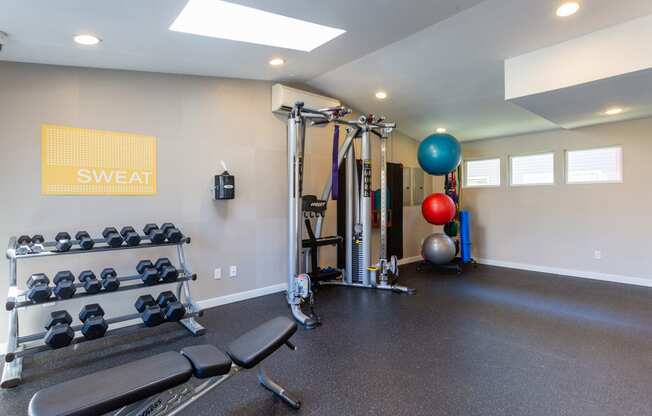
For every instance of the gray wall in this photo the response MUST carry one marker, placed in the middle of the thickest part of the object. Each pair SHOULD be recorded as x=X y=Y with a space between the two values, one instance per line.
x=560 y=226
x=198 y=122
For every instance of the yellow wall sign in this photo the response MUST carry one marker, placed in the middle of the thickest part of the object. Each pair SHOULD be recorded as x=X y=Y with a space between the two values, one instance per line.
x=95 y=162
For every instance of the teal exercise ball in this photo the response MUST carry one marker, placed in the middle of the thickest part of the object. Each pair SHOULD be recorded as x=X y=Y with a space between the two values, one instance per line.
x=439 y=154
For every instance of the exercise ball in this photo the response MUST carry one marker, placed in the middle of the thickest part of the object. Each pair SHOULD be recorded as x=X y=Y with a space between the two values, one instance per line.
x=439 y=154
x=438 y=249
x=438 y=209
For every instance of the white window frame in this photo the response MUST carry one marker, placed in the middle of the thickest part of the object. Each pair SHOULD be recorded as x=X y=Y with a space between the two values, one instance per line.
x=466 y=173
x=509 y=170
x=622 y=165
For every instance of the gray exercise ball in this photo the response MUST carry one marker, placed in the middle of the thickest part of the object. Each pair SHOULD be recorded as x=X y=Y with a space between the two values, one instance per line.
x=438 y=249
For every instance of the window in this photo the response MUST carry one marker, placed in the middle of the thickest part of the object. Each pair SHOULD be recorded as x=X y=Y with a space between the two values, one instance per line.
x=482 y=173
x=532 y=169
x=594 y=165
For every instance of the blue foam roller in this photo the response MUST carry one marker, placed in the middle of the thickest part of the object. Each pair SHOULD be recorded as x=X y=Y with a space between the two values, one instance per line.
x=465 y=235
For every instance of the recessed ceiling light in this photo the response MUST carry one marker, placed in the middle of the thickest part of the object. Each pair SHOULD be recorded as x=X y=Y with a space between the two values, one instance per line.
x=381 y=95
x=87 y=40
x=613 y=111
x=441 y=130
x=568 y=9
x=224 y=20
x=276 y=62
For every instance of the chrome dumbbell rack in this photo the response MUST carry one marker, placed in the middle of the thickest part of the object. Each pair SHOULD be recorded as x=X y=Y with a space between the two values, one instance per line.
x=17 y=300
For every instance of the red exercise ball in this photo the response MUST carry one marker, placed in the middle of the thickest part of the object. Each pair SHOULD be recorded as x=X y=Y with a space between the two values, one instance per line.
x=438 y=209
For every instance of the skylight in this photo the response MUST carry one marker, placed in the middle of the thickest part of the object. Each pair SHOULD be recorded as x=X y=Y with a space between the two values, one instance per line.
x=221 y=19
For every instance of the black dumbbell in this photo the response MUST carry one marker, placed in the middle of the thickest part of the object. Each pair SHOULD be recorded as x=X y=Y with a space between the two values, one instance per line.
x=37 y=243
x=112 y=237
x=148 y=273
x=38 y=288
x=94 y=326
x=91 y=284
x=166 y=270
x=64 y=284
x=59 y=334
x=84 y=240
x=130 y=236
x=154 y=234
x=150 y=312
x=110 y=280
x=24 y=242
x=173 y=310
x=171 y=232
x=64 y=241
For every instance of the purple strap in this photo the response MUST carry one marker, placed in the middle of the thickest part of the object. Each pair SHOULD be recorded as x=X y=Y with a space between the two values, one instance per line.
x=335 y=183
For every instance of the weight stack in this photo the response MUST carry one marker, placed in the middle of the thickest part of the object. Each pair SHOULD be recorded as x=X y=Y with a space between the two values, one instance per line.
x=356 y=262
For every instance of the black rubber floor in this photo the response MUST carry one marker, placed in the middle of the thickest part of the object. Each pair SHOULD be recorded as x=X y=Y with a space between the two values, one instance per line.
x=491 y=342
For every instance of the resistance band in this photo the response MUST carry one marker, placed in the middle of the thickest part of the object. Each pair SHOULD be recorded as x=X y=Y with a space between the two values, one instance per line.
x=335 y=182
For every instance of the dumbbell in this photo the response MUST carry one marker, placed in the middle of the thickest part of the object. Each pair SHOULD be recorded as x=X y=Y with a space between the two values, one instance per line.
x=39 y=289
x=130 y=236
x=64 y=282
x=84 y=240
x=94 y=326
x=113 y=238
x=150 y=312
x=91 y=284
x=173 y=310
x=154 y=234
x=59 y=334
x=110 y=280
x=63 y=240
x=23 y=245
x=171 y=232
x=37 y=243
x=148 y=272
x=166 y=270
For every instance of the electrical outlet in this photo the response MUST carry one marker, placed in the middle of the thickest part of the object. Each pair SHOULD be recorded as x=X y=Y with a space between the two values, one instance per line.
x=233 y=271
x=217 y=274
x=597 y=254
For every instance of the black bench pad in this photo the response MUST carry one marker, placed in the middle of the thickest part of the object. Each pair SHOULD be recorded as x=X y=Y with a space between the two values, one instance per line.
x=111 y=389
x=207 y=360
x=257 y=344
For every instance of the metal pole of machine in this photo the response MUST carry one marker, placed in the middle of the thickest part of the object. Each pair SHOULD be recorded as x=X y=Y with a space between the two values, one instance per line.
x=365 y=210
x=296 y=132
x=293 y=250
x=383 y=208
x=348 y=235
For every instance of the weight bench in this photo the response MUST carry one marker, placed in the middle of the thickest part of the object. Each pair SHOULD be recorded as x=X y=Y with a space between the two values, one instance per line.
x=166 y=383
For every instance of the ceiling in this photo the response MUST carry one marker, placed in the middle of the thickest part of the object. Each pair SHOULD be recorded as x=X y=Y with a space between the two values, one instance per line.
x=135 y=35
x=440 y=61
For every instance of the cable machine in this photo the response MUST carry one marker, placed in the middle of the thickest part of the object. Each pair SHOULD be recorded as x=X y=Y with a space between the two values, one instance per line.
x=359 y=270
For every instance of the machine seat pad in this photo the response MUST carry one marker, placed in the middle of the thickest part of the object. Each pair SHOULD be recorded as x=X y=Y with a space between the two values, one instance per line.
x=256 y=345
x=207 y=360
x=108 y=390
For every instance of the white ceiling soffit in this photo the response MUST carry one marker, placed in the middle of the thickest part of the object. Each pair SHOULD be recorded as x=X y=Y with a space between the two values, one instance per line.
x=573 y=83
x=451 y=74
x=135 y=35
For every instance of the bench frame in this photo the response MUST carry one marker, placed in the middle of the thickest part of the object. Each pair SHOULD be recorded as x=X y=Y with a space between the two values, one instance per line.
x=174 y=400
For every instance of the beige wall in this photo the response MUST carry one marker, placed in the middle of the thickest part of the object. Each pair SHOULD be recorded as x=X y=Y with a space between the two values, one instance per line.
x=560 y=226
x=198 y=122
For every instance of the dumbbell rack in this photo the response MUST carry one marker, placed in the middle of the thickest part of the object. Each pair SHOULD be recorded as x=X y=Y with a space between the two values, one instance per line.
x=16 y=299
